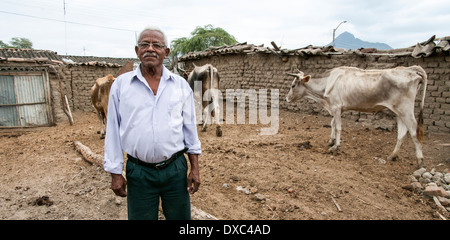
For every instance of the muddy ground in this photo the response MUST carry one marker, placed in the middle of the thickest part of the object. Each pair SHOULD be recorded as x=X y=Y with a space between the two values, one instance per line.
x=280 y=176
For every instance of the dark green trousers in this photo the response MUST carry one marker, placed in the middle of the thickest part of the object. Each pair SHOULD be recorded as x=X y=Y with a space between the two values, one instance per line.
x=145 y=186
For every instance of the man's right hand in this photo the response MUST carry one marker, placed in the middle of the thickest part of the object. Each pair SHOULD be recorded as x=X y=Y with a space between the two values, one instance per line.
x=119 y=185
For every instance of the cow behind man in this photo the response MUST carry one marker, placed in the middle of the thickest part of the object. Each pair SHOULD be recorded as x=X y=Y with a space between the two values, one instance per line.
x=209 y=78
x=349 y=88
x=100 y=97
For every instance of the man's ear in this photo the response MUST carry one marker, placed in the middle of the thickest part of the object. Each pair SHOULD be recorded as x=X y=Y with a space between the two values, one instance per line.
x=136 y=49
x=306 y=79
x=167 y=51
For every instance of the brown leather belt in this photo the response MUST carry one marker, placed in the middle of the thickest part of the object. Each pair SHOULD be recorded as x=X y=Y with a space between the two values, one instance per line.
x=159 y=165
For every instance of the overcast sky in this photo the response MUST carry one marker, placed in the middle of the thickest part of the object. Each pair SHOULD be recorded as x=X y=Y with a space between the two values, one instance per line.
x=108 y=28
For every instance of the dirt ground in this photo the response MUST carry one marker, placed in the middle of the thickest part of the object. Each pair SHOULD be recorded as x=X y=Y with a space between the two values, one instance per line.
x=43 y=177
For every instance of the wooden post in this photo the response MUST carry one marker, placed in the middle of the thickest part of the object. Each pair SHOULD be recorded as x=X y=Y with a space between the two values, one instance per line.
x=69 y=113
x=87 y=154
x=275 y=46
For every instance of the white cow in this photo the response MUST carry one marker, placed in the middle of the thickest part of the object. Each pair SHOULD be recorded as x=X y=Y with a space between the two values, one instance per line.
x=349 y=88
x=208 y=94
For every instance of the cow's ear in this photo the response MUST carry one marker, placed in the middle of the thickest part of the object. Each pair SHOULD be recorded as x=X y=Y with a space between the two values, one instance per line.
x=306 y=79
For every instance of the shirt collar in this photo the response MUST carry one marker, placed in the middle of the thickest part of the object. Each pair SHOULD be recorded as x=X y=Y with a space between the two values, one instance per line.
x=166 y=74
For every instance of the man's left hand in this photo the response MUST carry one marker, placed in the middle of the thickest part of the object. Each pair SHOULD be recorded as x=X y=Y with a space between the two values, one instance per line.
x=194 y=175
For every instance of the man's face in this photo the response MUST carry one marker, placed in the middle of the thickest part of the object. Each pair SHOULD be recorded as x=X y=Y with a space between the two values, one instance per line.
x=151 y=49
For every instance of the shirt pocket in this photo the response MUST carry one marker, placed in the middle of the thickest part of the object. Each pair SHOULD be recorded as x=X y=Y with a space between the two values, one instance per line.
x=175 y=110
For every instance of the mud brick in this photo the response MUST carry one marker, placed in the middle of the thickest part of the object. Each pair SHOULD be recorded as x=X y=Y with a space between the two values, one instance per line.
x=435 y=191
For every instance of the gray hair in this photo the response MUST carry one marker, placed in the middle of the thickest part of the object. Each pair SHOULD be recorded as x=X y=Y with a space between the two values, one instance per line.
x=153 y=28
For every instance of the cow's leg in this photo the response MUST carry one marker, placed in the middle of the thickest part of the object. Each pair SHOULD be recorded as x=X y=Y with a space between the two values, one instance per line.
x=407 y=123
x=206 y=116
x=102 y=122
x=216 y=115
x=214 y=105
x=332 y=140
x=205 y=119
x=337 y=124
x=103 y=133
x=411 y=125
x=401 y=133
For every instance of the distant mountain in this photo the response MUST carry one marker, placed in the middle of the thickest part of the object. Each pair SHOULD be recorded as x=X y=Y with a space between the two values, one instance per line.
x=348 y=41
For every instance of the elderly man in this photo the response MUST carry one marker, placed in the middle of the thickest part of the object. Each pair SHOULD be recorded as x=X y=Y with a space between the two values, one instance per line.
x=151 y=117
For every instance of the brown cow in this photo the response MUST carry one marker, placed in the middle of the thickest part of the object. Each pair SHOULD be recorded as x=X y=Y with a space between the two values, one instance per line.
x=100 y=97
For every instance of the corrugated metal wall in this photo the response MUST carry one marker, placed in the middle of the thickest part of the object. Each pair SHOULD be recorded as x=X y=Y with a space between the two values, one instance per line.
x=24 y=100
x=8 y=114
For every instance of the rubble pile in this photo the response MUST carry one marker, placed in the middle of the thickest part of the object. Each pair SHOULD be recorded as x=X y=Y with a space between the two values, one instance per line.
x=432 y=184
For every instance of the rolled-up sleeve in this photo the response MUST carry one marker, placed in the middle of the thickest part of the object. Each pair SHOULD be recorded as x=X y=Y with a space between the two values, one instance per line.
x=113 y=158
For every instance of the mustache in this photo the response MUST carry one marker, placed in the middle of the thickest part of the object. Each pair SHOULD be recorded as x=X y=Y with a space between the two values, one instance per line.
x=151 y=54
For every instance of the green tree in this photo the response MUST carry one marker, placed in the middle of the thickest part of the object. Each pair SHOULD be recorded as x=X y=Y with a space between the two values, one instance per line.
x=17 y=43
x=202 y=38
x=3 y=45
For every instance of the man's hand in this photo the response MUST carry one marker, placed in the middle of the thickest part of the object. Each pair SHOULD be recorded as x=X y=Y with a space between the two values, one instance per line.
x=193 y=181
x=194 y=175
x=119 y=185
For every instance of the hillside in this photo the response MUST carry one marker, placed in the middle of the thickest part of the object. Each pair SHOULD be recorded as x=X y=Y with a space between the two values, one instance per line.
x=349 y=41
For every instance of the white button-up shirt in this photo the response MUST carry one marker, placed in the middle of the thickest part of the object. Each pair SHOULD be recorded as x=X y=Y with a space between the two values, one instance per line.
x=147 y=126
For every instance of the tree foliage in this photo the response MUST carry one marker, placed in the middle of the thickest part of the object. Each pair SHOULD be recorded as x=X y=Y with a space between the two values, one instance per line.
x=17 y=43
x=202 y=38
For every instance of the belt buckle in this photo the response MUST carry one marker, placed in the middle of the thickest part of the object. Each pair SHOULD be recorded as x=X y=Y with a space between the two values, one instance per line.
x=160 y=165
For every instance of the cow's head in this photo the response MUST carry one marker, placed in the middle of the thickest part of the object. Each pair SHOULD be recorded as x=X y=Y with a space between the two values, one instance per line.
x=297 y=90
x=110 y=79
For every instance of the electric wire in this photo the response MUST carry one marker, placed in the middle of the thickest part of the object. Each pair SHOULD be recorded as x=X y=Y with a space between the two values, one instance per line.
x=70 y=22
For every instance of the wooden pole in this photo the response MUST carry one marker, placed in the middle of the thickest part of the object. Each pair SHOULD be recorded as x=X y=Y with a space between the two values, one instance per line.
x=69 y=113
x=87 y=154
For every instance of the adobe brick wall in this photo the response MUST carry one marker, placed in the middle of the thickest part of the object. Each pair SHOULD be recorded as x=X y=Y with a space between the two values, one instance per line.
x=77 y=83
x=267 y=71
x=81 y=80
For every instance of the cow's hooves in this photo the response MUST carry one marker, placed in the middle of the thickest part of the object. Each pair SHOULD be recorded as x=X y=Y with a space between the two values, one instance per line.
x=421 y=164
x=392 y=158
x=333 y=149
x=331 y=142
x=218 y=131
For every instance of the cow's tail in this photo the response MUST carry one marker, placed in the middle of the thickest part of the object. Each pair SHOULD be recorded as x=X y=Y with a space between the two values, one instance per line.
x=424 y=82
x=211 y=75
x=211 y=107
